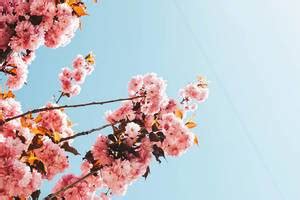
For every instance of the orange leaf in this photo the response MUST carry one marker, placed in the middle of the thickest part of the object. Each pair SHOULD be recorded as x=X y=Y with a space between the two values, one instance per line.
x=31 y=158
x=79 y=9
x=70 y=123
x=26 y=121
x=9 y=94
x=70 y=2
x=38 y=119
x=190 y=124
x=35 y=162
x=12 y=71
x=90 y=58
x=179 y=113
x=56 y=136
x=196 y=140
x=1 y=116
x=6 y=95
x=39 y=130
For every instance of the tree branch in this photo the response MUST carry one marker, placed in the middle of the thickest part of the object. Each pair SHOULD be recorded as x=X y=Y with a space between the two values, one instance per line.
x=67 y=106
x=85 y=132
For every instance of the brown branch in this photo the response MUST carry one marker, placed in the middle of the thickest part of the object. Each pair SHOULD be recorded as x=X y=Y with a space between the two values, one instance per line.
x=38 y=110
x=53 y=195
x=85 y=132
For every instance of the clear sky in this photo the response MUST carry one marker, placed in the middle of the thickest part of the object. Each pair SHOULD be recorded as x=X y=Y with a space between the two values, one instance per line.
x=248 y=129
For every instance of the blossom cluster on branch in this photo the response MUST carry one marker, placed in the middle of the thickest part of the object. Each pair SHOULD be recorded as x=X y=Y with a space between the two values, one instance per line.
x=153 y=126
x=31 y=145
x=147 y=125
x=72 y=79
x=27 y=25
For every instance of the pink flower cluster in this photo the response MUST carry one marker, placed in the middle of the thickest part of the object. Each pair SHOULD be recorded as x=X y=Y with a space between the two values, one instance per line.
x=10 y=107
x=20 y=70
x=178 y=136
x=53 y=157
x=55 y=121
x=26 y=151
x=146 y=127
x=16 y=178
x=194 y=91
x=71 y=80
x=84 y=190
x=153 y=87
x=27 y=25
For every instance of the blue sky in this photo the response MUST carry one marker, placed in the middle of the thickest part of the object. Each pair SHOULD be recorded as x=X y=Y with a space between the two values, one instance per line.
x=248 y=129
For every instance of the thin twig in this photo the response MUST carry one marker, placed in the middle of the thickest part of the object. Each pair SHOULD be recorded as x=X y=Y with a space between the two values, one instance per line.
x=85 y=132
x=38 y=110
x=53 y=195
x=59 y=98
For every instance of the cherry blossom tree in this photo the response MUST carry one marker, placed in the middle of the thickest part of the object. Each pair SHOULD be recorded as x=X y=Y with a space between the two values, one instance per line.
x=148 y=125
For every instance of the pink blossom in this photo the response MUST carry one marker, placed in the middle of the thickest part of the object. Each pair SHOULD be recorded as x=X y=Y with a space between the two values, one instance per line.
x=124 y=112
x=71 y=80
x=196 y=91
x=135 y=85
x=5 y=34
x=132 y=129
x=21 y=181
x=28 y=37
x=79 y=62
x=100 y=152
x=79 y=75
x=81 y=191
x=10 y=107
x=16 y=81
x=178 y=136
x=55 y=121
x=53 y=157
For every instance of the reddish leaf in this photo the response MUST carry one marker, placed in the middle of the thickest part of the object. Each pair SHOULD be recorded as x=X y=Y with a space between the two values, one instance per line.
x=66 y=146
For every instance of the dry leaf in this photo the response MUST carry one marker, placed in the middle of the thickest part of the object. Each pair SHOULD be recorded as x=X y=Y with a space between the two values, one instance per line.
x=79 y=9
x=56 y=136
x=31 y=158
x=90 y=58
x=196 y=140
x=26 y=121
x=179 y=113
x=66 y=146
x=6 y=95
x=12 y=71
x=38 y=118
x=190 y=124
x=9 y=94
x=70 y=123
x=39 y=130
